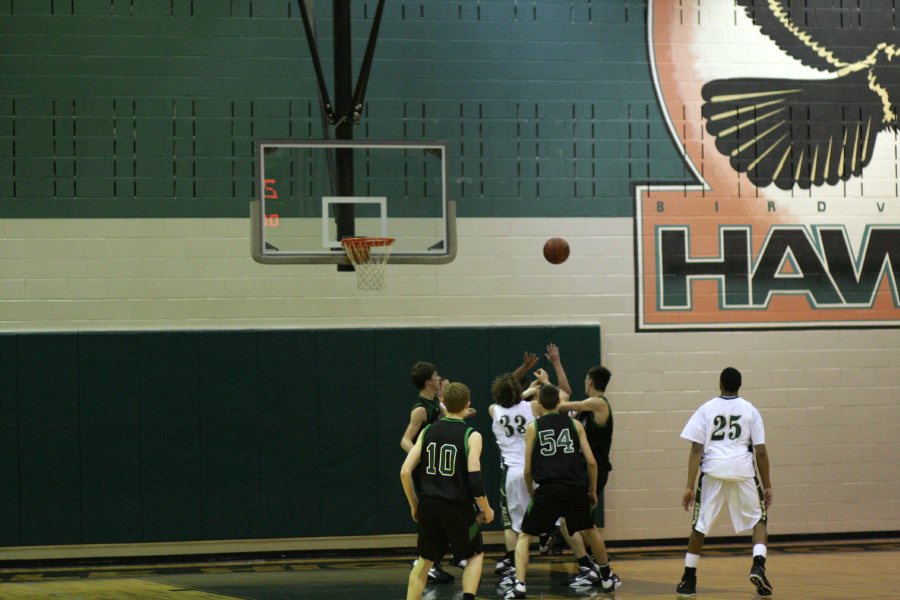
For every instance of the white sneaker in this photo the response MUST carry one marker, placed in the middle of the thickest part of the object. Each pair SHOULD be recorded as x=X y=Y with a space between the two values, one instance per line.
x=504 y=566
x=616 y=581
x=608 y=585
x=516 y=591
x=509 y=580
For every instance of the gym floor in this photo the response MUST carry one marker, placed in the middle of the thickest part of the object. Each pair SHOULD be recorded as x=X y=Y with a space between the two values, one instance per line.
x=861 y=570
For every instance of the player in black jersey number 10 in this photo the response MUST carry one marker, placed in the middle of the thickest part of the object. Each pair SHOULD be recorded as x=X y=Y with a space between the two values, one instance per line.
x=448 y=456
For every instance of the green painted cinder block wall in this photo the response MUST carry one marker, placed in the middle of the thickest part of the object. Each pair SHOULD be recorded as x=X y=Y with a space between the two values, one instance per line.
x=149 y=108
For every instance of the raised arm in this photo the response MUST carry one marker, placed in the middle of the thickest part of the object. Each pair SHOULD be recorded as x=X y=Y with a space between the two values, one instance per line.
x=553 y=356
x=529 y=359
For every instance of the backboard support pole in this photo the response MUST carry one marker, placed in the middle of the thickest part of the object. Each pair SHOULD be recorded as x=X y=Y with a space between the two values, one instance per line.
x=343 y=129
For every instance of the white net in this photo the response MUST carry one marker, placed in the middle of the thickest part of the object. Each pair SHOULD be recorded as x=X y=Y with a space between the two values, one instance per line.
x=369 y=257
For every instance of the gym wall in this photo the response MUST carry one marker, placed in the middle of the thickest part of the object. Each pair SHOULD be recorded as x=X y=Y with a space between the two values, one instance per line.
x=126 y=172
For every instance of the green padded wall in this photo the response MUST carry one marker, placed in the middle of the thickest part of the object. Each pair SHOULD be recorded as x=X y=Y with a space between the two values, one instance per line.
x=9 y=444
x=229 y=435
x=176 y=436
x=347 y=407
x=171 y=470
x=289 y=417
x=109 y=409
x=50 y=461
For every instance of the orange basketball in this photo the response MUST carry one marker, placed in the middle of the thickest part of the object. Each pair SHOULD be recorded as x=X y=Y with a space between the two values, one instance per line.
x=556 y=250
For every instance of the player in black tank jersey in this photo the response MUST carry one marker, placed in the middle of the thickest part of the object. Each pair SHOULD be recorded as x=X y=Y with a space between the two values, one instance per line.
x=450 y=454
x=426 y=410
x=443 y=468
x=559 y=458
x=556 y=456
x=595 y=414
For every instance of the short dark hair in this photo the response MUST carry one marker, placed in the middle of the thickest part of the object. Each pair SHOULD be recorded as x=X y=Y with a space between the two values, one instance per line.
x=730 y=380
x=549 y=396
x=600 y=377
x=421 y=372
x=506 y=390
x=456 y=396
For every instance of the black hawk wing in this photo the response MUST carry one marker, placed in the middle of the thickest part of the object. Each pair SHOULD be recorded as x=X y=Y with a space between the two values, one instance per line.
x=794 y=131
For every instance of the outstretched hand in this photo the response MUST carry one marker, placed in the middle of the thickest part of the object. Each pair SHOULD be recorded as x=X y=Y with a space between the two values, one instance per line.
x=542 y=376
x=553 y=353
x=529 y=359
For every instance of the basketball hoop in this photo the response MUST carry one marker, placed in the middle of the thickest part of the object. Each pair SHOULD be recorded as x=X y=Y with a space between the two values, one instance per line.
x=369 y=256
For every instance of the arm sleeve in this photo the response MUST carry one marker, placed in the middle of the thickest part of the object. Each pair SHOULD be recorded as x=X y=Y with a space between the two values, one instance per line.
x=476 y=485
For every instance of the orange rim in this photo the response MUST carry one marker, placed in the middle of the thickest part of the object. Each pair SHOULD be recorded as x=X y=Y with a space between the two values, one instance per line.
x=366 y=242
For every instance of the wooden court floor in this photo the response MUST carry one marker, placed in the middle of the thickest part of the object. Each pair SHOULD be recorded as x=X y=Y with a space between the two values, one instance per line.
x=861 y=570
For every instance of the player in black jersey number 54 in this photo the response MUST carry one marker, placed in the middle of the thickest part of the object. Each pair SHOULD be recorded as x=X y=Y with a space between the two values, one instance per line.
x=558 y=457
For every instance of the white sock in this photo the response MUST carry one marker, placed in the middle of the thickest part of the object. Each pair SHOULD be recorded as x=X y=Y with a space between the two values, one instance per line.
x=691 y=560
x=759 y=550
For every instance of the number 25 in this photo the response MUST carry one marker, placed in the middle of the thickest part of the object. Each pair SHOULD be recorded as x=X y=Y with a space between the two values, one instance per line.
x=719 y=424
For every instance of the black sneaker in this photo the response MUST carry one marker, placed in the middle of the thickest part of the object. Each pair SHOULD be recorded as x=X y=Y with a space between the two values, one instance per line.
x=688 y=586
x=437 y=575
x=555 y=543
x=758 y=577
x=544 y=544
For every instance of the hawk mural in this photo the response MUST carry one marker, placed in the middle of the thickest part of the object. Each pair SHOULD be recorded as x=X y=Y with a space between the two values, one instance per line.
x=803 y=95
x=811 y=132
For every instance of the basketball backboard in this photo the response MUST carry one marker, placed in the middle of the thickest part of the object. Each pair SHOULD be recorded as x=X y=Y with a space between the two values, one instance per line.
x=381 y=189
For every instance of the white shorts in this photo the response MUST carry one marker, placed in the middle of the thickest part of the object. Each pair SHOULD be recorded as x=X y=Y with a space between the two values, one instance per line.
x=515 y=498
x=744 y=499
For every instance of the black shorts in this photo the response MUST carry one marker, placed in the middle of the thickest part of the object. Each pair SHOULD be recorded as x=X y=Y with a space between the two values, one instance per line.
x=554 y=500
x=447 y=525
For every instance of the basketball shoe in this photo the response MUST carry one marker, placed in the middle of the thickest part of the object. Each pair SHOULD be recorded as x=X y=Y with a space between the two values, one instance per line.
x=758 y=576
x=688 y=585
